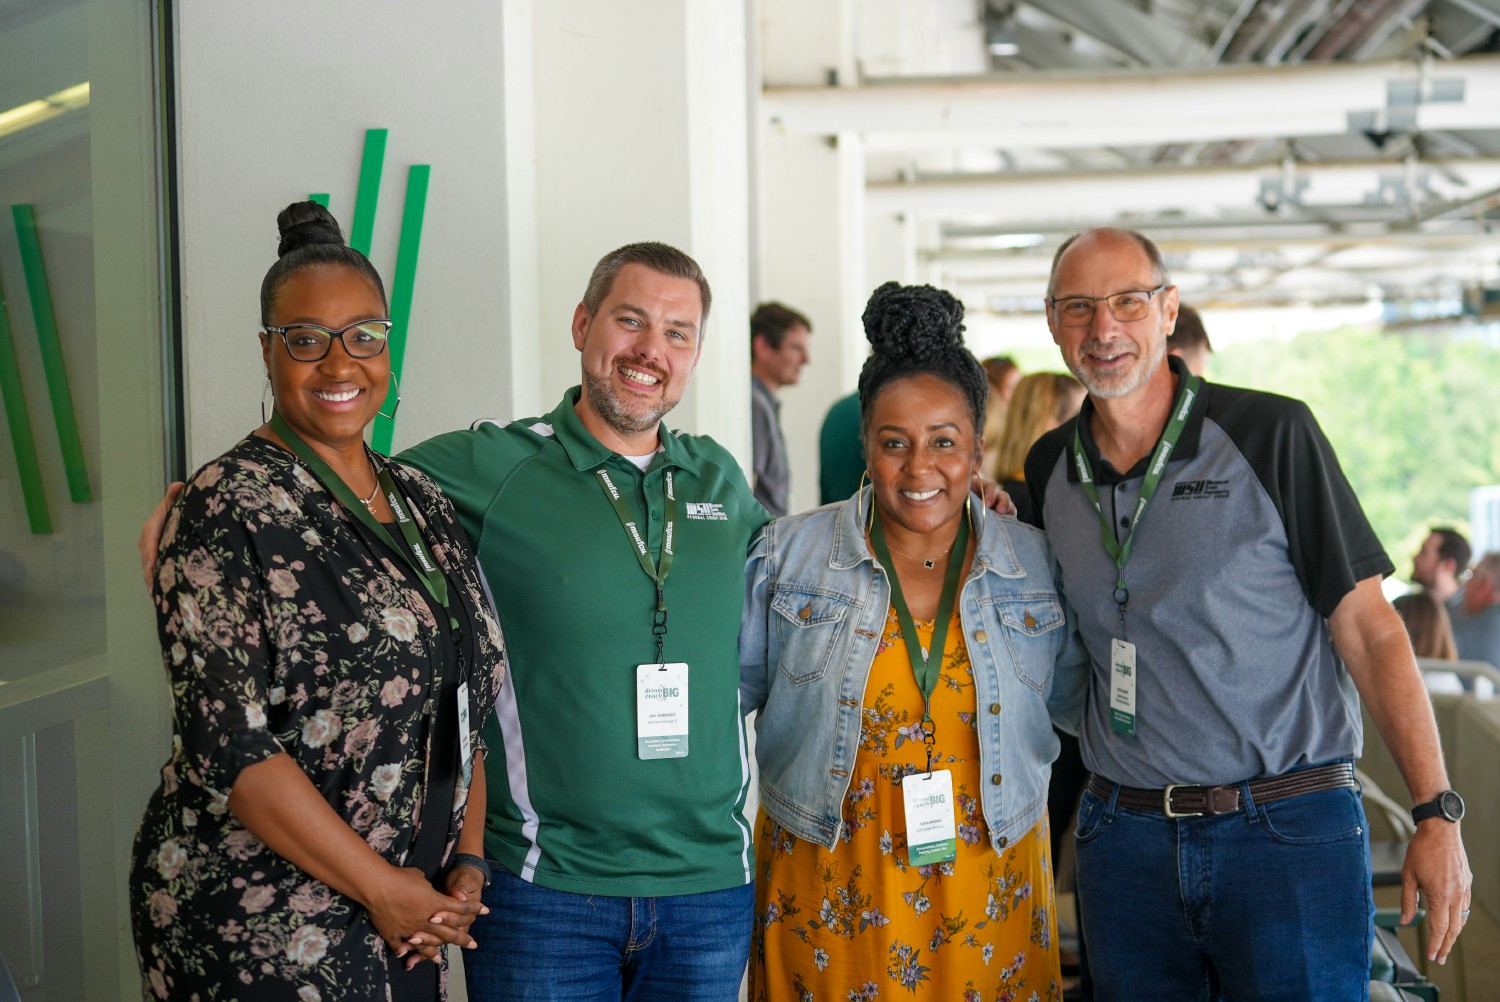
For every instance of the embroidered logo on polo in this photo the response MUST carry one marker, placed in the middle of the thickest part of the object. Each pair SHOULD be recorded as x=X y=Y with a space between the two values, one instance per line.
x=1200 y=490
x=706 y=511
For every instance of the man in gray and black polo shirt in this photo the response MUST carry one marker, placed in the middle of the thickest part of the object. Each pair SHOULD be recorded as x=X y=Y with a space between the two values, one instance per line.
x=1227 y=585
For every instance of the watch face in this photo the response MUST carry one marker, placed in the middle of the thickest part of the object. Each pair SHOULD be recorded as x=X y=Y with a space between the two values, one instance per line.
x=1451 y=804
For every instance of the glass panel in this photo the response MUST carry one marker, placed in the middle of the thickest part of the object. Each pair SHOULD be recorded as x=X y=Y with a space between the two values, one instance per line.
x=51 y=594
x=71 y=783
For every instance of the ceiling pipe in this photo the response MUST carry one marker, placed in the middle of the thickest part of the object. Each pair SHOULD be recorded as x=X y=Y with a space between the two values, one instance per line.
x=1376 y=32
x=1356 y=21
x=1302 y=15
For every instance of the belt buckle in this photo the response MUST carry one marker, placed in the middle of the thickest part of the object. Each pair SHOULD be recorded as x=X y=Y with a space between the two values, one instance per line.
x=1166 y=804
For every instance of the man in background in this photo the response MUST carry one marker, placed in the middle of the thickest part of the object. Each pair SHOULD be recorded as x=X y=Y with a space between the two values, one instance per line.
x=1189 y=341
x=1476 y=620
x=778 y=351
x=1440 y=565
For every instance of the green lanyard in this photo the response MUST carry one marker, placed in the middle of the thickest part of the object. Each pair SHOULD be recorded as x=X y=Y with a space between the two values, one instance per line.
x=925 y=667
x=1186 y=394
x=658 y=573
x=426 y=570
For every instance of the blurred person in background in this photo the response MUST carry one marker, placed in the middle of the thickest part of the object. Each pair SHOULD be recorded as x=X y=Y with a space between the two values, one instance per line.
x=778 y=351
x=1476 y=622
x=1189 y=341
x=1003 y=375
x=1428 y=626
x=1042 y=401
x=1441 y=565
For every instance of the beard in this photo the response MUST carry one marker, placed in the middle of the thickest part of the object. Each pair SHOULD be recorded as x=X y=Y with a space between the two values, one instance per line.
x=607 y=404
x=1111 y=385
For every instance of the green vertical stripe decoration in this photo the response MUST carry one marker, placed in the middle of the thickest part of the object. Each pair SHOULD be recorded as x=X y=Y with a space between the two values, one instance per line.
x=30 y=470
x=52 y=357
x=401 y=294
x=362 y=232
x=320 y=197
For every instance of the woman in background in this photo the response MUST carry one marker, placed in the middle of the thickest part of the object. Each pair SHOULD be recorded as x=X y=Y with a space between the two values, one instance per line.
x=1042 y=401
x=1428 y=625
x=1003 y=374
x=332 y=658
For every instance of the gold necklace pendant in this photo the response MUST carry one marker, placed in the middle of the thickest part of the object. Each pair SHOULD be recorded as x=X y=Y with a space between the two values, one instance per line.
x=369 y=502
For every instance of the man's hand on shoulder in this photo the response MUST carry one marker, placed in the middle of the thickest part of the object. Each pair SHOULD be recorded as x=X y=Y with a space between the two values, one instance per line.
x=149 y=541
x=994 y=495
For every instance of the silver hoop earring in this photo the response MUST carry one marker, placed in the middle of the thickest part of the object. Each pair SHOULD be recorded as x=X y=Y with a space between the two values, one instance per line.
x=396 y=385
x=263 y=394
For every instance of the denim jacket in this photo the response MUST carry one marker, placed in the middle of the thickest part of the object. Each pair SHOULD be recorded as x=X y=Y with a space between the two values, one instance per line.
x=815 y=607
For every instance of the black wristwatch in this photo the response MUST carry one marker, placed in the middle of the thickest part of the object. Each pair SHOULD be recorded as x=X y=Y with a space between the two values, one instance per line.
x=1448 y=805
x=482 y=865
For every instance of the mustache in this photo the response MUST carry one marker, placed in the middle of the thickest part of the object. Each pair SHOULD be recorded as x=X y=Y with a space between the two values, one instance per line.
x=636 y=362
x=1115 y=347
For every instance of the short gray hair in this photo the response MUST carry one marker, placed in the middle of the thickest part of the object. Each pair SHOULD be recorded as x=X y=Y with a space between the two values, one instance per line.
x=1159 y=273
x=659 y=257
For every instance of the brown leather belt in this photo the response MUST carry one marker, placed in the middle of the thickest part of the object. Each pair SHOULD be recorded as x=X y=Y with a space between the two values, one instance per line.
x=1208 y=801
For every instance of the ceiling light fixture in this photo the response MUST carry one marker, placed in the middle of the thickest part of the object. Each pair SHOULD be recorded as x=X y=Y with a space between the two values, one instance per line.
x=24 y=116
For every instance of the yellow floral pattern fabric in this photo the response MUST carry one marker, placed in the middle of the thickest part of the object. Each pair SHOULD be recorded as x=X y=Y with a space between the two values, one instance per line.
x=860 y=923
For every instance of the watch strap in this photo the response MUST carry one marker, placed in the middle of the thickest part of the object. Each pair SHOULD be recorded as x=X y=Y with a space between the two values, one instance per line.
x=1434 y=808
x=477 y=862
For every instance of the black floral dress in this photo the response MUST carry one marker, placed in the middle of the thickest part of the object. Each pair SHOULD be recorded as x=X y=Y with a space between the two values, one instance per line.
x=287 y=627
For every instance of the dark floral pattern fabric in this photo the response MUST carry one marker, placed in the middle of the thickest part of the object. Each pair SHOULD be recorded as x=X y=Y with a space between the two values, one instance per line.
x=286 y=627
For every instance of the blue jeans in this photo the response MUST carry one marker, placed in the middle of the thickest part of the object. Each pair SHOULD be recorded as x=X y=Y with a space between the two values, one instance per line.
x=541 y=945
x=1270 y=903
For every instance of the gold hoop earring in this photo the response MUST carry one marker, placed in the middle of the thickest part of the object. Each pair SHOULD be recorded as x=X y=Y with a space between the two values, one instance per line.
x=859 y=497
x=263 y=393
x=397 y=385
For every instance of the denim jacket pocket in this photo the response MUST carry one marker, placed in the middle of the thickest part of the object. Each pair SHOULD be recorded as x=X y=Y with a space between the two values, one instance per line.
x=807 y=630
x=1033 y=629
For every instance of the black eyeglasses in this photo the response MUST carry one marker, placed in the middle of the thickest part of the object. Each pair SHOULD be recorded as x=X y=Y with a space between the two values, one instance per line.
x=310 y=342
x=1078 y=311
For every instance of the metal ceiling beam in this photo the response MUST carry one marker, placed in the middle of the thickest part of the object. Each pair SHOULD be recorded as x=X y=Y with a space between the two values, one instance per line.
x=1086 y=194
x=1128 y=109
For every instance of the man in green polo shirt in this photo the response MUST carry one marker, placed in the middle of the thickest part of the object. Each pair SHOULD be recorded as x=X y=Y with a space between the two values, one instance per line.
x=617 y=767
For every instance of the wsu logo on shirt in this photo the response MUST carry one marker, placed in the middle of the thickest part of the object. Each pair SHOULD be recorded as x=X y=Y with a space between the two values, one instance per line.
x=1200 y=490
x=706 y=511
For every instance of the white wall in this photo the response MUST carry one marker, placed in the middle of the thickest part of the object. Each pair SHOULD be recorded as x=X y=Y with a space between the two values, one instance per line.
x=273 y=101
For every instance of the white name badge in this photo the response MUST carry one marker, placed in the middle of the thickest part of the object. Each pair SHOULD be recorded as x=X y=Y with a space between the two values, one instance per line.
x=661 y=710
x=465 y=745
x=1122 y=687
x=931 y=825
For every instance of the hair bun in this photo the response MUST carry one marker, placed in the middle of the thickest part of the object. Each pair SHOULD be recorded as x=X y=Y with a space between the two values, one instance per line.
x=913 y=321
x=305 y=223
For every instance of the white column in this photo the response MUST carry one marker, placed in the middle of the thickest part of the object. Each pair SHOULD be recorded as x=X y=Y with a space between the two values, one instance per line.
x=641 y=135
x=812 y=235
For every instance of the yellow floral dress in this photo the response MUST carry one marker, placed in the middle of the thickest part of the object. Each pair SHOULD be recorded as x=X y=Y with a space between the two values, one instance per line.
x=860 y=922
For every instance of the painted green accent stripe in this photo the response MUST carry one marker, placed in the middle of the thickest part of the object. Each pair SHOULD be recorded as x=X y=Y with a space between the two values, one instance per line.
x=63 y=414
x=362 y=232
x=401 y=290
x=21 y=439
x=320 y=197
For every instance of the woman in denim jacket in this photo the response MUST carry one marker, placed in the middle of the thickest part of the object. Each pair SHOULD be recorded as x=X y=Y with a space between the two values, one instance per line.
x=846 y=908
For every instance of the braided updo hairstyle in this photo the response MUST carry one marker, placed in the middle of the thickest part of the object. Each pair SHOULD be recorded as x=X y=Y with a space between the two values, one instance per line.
x=917 y=330
x=310 y=236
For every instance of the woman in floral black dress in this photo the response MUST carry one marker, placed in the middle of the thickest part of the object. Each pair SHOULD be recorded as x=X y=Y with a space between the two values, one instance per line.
x=323 y=770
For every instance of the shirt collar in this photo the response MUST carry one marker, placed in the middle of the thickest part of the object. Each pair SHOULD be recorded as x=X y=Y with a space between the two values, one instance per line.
x=586 y=452
x=1187 y=443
